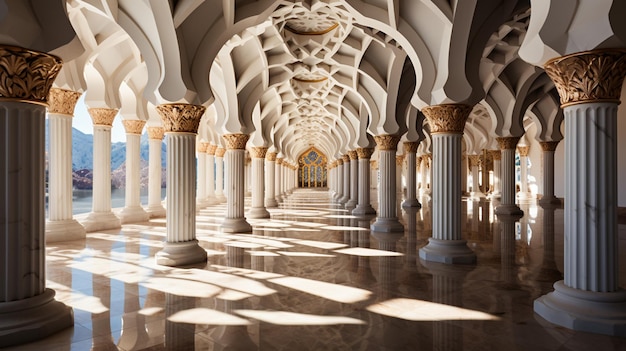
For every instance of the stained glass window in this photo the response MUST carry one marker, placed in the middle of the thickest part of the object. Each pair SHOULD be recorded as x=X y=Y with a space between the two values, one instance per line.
x=312 y=169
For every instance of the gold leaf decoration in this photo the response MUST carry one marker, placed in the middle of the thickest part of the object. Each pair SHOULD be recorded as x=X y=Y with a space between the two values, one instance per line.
x=182 y=118
x=447 y=118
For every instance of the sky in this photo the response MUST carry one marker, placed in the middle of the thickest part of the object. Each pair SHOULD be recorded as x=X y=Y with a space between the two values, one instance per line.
x=82 y=122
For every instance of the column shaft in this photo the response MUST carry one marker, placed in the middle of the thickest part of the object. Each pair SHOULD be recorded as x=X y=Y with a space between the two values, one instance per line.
x=133 y=212
x=270 y=169
x=235 y=222
x=258 y=209
x=201 y=186
x=364 y=206
x=387 y=219
x=548 y=197
x=155 y=208
x=210 y=176
x=411 y=177
x=507 y=204
x=219 y=178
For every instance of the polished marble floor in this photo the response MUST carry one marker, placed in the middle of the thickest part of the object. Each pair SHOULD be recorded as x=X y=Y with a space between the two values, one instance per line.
x=314 y=278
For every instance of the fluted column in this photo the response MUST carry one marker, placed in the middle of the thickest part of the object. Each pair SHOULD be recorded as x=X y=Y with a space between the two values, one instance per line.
x=155 y=141
x=61 y=225
x=101 y=216
x=523 y=160
x=589 y=298
x=278 y=178
x=235 y=222
x=410 y=150
x=339 y=180
x=497 y=170
x=201 y=183
x=507 y=204
x=258 y=209
x=364 y=206
x=180 y=122
x=548 y=148
x=270 y=186
x=474 y=164
x=447 y=123
x=211 y=199
x=387 y=219
x=219 y=174
x=399 y=166
x=28 y=310
x=425 y=169
x=345 y=176
x=354 y=180
x=132 y=211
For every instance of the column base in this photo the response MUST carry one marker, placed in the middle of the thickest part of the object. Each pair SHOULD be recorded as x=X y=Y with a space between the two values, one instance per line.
x=509 y=210
x=387 y=225
x=495 y=195
x=477 y=195
x=546 y=200
x=133 y=215
x=34 y=318
x=524 y=196
x=270 y=203
x=235 y=225
x=413 y=203
x=156 y=211
x=344 y=199
x=211 y=200
x=65 y=230
x=447 y=251
x=220 y=198
x=101 y=221
x=201 y=203
x=181 y=253
x=594 y=312
x=363 y=210
x=351 y=204
x=258 y=212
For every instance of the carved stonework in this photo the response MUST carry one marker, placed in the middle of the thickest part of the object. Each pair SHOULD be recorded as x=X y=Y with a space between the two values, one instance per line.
x=180 y=118
x=411 y=146
x=102 y=116
x=236 y=141
x=202 y=147
x=374 y=164
x=418 y=160
x=447 y=118
x=399 y=160
x=346 y=158
x=63 y=102
x=279 y=160
x=387 y=142
x=339 y=162
x=364 y=152
x=549 y=145
x=507 y=143
x=474 y=160
x=156 y=133
x=133 y=126
x=496 y=154
x=271 y=156
x=353 y=155
x=592 y=76
x=523 y=150
x=220 y=151
x=210 y=150
x=27 y=75
x=258 y=152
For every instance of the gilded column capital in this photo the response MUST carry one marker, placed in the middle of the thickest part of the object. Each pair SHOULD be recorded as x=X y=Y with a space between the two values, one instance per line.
x=279 y=160
x=202 y=147
x=523 y=150
x=156 y=133
x=346 y=158
x=364 y=152
x=258 y=151
x=63 y=102
x=210 y=150
x=353 y=155
x=447 y=118
x=496 y=154
x=399 y=160
x=102 y=116
x=180 y=118
x=549 y=145
x=339 y=162
x=236 y=141
x=507 y=143
x=474 y=160
x=590 y=76
x=411 y=146
x=133 y=126
x=374 y=164
x=271 y=156
x=27 y=75
x=387 y=142
x=418 y=160
x=220 y=151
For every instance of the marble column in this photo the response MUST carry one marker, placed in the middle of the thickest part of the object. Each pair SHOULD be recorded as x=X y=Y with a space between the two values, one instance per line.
x=548 y=148
x=589 y=298
x=180 y=122
x=28 y=310
x=101 y=217
x=474 y=164
x=339 y=180
x=201 y=183
x=364 y=206
x=219 y=174
x=497 y=167
x=270 y=186
x=211 y=199
x=507 y=204
x=278 y=179
x=354 y=180
x=464 y=169
x=387 y=219
x=399 y=169
x=523 y=160
x=447 y=123
x=235 y=222
x=410 y=150
x=425 y=169
x=258 y=209
x=132 y=211
x=155 y=141
x=345 y=170
x=61 y=225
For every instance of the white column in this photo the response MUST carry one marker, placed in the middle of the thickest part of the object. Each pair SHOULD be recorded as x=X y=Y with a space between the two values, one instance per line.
x=447 y=245
x=61 y=225
x=211 y=199
x=235 y=222
x=425 y=169
x=387 y=219
x=474 y=164
x=180 y=122
x=345 y=170
x=132 y=211
x=523 y=153
x=278 y=179
x=354 y=181
x=155 y=141
x=101 y=217
x=497 y=168
x=270 y=169
x=219 y=174
x=507 y=204
x=548 y=147
x=201 y=201
x=339 y=179
x=464 y=176
x=364 y=206
x=399 y=170
x=28 y=310
x=258 y=209
x=410 y=150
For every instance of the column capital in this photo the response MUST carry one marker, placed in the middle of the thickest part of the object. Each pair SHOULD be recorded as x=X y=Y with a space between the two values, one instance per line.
x=418 y=160
x=102 y=116
x=387 y=142
x=271 y=156
x=474 y=160
x=447 y=118
x=507 y=143
x=258 y=151
x=374 y=164
x=411 y=146
x=353 y=155
x=590 y=76
x=133 y=126
x=62 y=102
x=279 y=160
x=345 y=158
x=549 y=145
x=399 y=160
x=210 y=150
x=155 y=133
x=496 y=154
x=180 y=118
x=27 y=75
x=339 y=161
x=202 y=147
x=523 y=150
x=365 y=152
x=220 y=151
x=236 y=141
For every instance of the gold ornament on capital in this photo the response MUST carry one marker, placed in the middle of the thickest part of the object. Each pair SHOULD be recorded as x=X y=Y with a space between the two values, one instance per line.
x=180 y=118
x=496 y=154
x=279 y=160
x=549 y=145
x=220 y=151
x=156 y=133
x=353 y=155
x=474 y=160
x=63 y=102
x=258 y=151
x=133 y=126
x=507 y=143
x=447 y=118
x=399 y=160
x=210 y=150
x=411 y=146
x=523 y=150
x=236 y=141
x=202 y=147
x=387 y=142
x=364 y=152
x=271 y=156
x=102 y=116
x=346 y=158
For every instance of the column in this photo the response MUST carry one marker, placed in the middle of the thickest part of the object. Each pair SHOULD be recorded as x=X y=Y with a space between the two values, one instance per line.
x=132 y=211
x=339 y=180
x=270 y=192
x=497 y=167
x=507 y=180
x=354 y=180
x=345 y=170
x=28 y=310
x=258 y=209
x=101 y=217
x=61 y=225
x=211 y=199
x=425 y=169
x=278 y=179
x=447 y=123
x=548 y=148
x=523 y=160
x=474 y=164
x=410 y=150
x=464 y=168
x=219 y=174
x=589 y=298
x=201 y=183
x=155 y=142
x=235 y=222
x=180 y=122
x=387 y=219
x=399 y=164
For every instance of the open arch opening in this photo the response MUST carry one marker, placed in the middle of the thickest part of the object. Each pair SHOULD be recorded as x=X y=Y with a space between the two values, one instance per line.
x=312 y=169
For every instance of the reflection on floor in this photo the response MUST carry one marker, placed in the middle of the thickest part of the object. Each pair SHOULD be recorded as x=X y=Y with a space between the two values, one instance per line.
x=314 y=278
